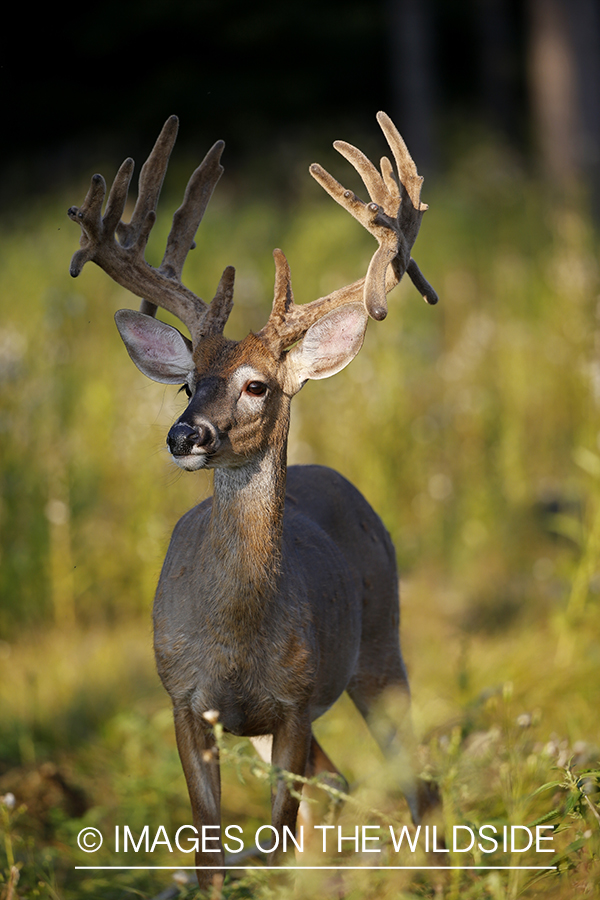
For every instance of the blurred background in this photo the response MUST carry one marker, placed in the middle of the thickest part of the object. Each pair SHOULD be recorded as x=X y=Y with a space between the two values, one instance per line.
x=472 y=427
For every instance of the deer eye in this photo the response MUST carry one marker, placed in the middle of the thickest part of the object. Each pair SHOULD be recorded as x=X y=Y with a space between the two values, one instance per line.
x=256 y=388
x=186 y=388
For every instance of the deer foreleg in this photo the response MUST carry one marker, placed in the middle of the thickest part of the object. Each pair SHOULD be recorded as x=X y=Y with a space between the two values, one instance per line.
x=291 y=746
x=200 y=760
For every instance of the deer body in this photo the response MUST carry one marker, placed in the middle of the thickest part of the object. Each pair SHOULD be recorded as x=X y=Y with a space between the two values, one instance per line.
x=224 y=640
x=280 y=592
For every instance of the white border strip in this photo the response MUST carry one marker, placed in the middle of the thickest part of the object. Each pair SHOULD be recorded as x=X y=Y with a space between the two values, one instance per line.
x=319 y=868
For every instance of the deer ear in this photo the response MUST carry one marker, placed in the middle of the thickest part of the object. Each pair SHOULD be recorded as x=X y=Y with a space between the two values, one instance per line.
x=158 y=350
x=328 y=345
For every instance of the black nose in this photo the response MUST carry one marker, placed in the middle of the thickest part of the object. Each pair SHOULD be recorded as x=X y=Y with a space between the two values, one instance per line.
x=183 y=439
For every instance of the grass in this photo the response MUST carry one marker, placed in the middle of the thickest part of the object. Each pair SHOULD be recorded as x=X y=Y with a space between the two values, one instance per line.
x=473 y=430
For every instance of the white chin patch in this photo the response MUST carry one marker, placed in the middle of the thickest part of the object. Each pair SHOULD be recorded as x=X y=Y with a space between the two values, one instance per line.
x=190 y=463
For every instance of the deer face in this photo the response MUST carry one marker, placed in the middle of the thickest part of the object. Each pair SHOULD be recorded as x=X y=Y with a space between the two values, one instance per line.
x=239 y=392
x=236 y=400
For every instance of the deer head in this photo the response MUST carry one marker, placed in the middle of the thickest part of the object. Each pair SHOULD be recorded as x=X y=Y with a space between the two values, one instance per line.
x=239 y=390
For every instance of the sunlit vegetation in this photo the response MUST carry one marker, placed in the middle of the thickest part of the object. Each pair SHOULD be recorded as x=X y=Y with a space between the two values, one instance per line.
x=472 y=427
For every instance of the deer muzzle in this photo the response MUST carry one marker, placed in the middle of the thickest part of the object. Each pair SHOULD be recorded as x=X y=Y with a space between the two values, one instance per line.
x=190 y=445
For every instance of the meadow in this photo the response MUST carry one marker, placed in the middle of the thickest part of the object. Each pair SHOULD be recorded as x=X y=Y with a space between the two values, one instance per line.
x=474 y=430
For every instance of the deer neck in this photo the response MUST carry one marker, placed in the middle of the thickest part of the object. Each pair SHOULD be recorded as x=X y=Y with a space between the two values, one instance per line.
x=246 y=525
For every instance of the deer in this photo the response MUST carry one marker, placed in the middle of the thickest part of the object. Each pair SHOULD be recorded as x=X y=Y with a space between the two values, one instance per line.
x=280 y=591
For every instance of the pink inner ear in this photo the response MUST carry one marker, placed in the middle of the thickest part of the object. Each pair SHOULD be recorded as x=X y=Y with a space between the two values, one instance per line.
x=341 y=333
x=157 y=349
x=154 y=342
x=333 y=341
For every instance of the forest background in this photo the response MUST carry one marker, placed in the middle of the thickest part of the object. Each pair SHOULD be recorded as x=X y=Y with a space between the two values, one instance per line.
x=471 y=427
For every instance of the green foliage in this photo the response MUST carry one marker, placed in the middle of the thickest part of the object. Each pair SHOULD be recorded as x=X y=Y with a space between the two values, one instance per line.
x=471 y=427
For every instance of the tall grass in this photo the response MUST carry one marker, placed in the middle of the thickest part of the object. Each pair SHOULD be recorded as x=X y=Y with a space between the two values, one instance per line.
x=472 y=428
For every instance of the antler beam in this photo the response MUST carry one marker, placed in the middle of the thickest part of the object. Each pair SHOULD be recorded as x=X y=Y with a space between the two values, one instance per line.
x=393 y=216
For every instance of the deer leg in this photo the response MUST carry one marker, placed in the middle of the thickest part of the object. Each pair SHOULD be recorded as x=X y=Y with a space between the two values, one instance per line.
x=291 y=749
x=319 y=764
x=200 y=761
x=383 y=700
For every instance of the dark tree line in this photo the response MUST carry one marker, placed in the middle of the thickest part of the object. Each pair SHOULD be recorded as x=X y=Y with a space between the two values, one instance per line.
x=529 y=71
x=269 y=76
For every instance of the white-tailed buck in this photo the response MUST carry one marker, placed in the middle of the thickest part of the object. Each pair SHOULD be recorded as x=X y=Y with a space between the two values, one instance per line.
x=280 y=592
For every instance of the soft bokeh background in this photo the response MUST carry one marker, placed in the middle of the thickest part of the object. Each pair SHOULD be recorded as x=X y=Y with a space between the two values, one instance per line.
x=472 y=427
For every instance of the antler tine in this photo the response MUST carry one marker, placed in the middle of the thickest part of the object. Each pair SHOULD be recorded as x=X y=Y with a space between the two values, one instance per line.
x=373 y=181
x=221 y=305
x=149 y=187
x=409 y=177
x=288 y=322
x=279 y=332
x=123 y=260
x=389 y=177
x=150 y=183
x=187 y=218
x=410 y=180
